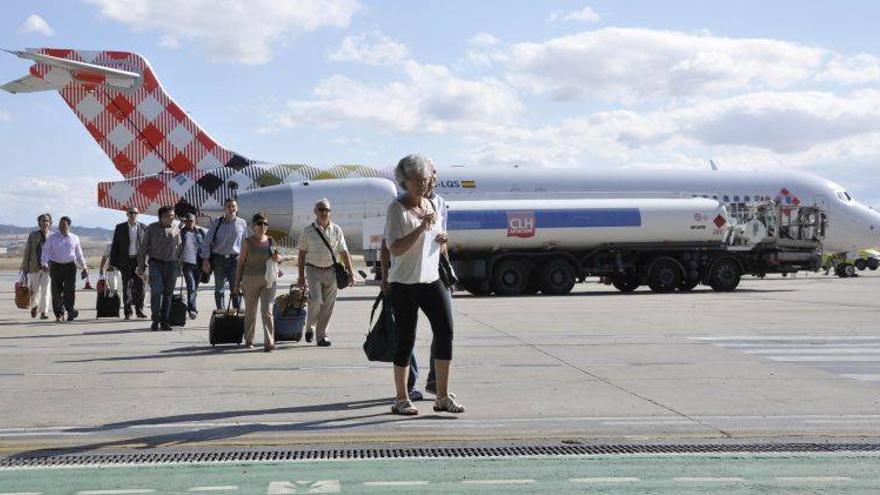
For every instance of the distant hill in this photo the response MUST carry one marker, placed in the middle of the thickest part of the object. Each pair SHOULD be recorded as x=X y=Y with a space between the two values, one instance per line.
x=96 y=232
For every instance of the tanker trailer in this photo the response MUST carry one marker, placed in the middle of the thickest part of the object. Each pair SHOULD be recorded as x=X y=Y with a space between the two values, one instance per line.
x=525 y=246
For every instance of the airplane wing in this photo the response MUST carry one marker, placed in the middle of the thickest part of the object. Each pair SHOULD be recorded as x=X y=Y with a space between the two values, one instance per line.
x=27 y=84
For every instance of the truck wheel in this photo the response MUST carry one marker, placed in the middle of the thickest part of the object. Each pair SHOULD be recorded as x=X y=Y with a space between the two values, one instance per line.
x=725 y=275
x=511 y=277
x=861 y=264
x=475 y=287
x=665 y=275
x=873 y=263
x=556 y=277
x=688 y=285
x=842 y=270
x=625 y=282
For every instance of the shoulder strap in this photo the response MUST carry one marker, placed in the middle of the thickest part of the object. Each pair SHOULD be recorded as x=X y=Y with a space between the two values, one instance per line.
x=216 y=228
x=321 y=234
x=379 y=299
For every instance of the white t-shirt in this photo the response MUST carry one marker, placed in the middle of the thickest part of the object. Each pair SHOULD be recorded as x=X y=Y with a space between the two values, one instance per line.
x=418 y=265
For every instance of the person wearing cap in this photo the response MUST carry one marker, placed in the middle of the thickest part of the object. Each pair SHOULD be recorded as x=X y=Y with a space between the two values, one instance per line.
x=124 y=250
x=315 y=265
x=193 y=238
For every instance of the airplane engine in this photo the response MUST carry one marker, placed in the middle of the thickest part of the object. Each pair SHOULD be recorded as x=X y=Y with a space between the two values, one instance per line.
x=290 y=207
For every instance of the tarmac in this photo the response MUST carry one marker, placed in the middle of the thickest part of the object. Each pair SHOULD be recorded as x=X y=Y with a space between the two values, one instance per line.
x=779 y=360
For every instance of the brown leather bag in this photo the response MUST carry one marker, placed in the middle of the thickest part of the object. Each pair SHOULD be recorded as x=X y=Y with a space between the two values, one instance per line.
x=22 y=294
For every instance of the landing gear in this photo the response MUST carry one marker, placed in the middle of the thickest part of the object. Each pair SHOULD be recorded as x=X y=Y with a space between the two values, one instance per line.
x=724 y=275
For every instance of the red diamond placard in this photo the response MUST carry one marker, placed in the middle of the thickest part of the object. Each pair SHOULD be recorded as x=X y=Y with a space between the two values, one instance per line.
x=719 y=221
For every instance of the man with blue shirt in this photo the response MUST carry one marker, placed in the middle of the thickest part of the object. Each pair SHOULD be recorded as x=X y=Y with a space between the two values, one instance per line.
x=222 y=246
x=60 y=257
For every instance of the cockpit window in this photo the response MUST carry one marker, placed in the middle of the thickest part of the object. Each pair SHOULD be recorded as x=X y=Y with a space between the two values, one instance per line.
x=844 y=196
x=848 y=197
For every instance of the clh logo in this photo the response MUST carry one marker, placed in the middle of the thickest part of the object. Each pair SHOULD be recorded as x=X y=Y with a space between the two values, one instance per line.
x=521 y=224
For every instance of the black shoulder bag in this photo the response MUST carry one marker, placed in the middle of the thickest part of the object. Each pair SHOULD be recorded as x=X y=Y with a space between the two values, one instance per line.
x=342 y=275
x=447 y=274
x=382 y=339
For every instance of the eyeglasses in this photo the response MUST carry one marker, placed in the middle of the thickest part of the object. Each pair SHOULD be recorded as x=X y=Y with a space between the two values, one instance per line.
x=262 y=224
x=132 y=214
x=328 y=210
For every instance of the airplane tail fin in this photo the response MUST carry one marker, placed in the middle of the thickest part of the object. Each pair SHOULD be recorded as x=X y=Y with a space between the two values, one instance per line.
x=120 y=101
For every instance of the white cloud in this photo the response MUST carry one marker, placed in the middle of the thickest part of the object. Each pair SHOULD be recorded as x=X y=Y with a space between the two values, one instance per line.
x=36 y=24
x=372 y=48
x=484 y=50
x=640 y=64
x=859 y=69
x=586 y=14
x=429 y=99
x=23 y=198
x=5 y=116
x=244 y=31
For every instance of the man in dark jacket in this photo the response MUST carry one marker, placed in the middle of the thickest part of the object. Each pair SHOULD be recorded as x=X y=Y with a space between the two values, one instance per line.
x=124 y=250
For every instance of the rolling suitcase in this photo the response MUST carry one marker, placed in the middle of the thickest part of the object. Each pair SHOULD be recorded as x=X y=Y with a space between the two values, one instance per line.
x=290 y=313
x=178 y=310
x=108 y=304
x=289 y=324
x=226 y=327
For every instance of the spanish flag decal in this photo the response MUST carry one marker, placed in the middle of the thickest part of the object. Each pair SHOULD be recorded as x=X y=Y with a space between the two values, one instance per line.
x=469 y=184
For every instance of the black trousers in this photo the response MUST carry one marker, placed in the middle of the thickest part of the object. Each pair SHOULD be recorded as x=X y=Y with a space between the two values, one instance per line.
x=132 y=286
x=63 y=287
x=406 y=301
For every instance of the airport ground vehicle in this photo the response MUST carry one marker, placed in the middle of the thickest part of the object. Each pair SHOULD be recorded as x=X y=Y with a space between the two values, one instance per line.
x=522 y=247
x=846 y=265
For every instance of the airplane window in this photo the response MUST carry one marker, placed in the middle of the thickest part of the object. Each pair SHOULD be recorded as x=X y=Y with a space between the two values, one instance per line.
x=746 y=199
x=726 y=198
x=736 y=199
x=848 y=197
x=715 y=197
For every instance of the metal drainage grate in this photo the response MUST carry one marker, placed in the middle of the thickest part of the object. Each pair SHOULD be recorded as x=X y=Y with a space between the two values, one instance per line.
x=275 y=455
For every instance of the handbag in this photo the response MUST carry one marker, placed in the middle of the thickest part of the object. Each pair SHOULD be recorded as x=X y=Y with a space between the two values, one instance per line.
x=22 y=293
x=381 y=341
x=342 y=275
x=447 y=274
x=271 y=268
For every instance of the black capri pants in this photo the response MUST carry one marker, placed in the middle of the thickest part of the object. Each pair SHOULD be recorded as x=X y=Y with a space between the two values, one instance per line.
x=406 y=300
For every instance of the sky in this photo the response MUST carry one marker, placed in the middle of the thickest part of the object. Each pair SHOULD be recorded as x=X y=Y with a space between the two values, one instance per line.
x=592 y=85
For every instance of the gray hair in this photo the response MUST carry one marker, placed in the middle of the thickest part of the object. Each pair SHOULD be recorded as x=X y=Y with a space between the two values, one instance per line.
x=409 y=166
x=322 y=202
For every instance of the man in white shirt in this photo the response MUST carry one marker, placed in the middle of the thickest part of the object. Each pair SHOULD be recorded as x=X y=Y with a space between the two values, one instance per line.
x=60 y=257
x=316 y=267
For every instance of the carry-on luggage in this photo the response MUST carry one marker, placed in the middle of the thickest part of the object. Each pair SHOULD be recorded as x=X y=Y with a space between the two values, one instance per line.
x=22 y=293
x=178 y=310
x=226 y=327
x=290 y=314
x=108 y=304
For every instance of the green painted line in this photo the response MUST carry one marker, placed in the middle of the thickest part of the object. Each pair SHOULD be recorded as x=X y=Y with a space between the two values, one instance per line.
x=680 y=475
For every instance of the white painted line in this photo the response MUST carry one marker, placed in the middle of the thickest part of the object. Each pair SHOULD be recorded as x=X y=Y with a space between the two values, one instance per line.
x=825 y=359
x=788 y=337
x=801 y=350
x=497 y=482
x=864 y=377
x=822 y=345
x=116 y=492
x=812 y=479
x=394 y=483
x=707 y=479
x=649 y=422
x=606 y=479
x=227 y=488
x=841 y=421
x=21 y=493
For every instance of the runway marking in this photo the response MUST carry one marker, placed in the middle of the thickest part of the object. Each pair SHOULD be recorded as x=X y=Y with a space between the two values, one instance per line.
x=801 y=350
x=116 y=492
x=864 y=377
x=606 y=479
x=825 y=359
x=227 y=488
x=727 y=338
x=21 y=493
x=708 y=479
x=497 y=482
x=812 y=479
x=649 y=422
x=394 y=483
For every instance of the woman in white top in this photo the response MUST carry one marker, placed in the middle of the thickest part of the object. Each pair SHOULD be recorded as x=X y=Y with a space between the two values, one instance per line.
x=414 y=237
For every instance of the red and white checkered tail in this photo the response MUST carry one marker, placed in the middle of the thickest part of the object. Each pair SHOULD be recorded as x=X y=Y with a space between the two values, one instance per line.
x=119 y=99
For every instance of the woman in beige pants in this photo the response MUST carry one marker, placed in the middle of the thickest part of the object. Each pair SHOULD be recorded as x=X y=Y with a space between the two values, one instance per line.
x=250 y=278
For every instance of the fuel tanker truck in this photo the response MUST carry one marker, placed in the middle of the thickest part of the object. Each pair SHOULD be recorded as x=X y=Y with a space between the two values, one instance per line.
x=512 y=247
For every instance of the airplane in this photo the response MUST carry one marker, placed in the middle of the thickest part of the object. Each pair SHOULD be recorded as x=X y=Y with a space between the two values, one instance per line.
x=166 y=158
